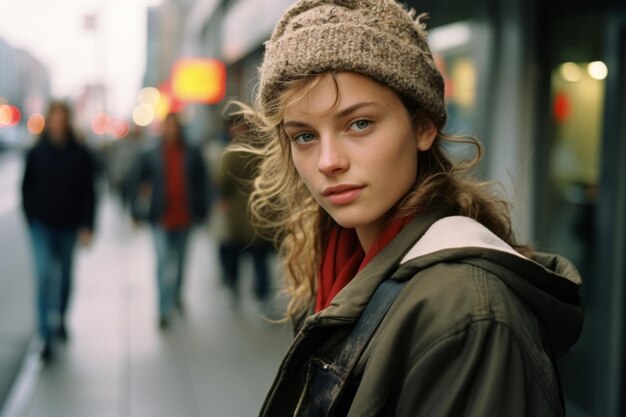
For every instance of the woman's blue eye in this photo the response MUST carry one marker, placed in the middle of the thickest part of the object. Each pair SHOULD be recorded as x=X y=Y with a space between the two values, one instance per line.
x=303 y=138
x=361 y=124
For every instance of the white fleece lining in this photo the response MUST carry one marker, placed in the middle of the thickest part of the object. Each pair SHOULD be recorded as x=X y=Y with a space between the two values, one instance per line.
x=457 y=232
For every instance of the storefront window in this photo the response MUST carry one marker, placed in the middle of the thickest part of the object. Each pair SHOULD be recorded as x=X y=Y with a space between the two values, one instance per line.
x=577 y=90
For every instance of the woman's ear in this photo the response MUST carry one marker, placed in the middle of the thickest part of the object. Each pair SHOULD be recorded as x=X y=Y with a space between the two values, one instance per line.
x=426 y=134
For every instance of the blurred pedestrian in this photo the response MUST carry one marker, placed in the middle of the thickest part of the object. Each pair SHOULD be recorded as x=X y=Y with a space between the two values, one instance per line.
x=171 y=192
x=237 y=171
x=416 y=298
x=58 y=200
x=120 y=156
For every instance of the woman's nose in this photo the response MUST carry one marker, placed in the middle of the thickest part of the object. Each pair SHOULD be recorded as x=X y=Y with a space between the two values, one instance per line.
x=332 y=156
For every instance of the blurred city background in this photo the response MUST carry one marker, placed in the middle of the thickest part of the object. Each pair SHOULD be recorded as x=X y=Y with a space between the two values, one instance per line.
x=542 y=83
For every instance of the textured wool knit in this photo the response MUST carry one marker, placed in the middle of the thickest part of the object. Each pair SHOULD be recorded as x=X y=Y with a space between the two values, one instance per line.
x=378 y=38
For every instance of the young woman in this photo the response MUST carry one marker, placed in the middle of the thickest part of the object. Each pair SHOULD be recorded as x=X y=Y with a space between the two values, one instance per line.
x=363 y=196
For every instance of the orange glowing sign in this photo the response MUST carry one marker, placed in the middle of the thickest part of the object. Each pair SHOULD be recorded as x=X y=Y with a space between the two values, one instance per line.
x=199 y=80
x=9 y=115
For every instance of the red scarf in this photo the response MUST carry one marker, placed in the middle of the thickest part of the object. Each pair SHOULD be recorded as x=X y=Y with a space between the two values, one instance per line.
x=344 y=258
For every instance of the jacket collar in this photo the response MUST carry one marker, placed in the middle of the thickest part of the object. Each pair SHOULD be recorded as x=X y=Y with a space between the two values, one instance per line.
x=352 y=299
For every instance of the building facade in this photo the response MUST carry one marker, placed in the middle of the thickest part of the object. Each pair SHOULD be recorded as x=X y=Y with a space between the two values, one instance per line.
x=25 y=84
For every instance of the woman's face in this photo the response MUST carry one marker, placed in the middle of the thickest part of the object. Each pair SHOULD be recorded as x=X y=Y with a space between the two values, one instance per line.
x=358 y=158
x=57 y=125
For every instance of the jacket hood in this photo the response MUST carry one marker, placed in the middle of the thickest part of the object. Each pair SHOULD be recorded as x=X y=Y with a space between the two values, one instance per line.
x=548 y=284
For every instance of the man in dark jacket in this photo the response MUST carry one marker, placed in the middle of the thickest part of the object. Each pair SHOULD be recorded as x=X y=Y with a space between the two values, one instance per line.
x=171 y=192
x=58 y=201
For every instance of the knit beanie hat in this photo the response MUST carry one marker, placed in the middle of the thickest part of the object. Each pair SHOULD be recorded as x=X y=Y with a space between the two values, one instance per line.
x=377 y=38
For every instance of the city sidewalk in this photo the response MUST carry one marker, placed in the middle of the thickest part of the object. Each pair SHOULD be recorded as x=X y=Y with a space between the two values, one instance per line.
x=216 y=359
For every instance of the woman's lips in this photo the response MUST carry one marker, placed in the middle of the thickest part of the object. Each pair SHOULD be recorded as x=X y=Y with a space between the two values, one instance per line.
x=342 y=195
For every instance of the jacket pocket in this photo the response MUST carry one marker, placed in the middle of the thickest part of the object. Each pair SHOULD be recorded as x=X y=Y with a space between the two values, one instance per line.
x=315 y=365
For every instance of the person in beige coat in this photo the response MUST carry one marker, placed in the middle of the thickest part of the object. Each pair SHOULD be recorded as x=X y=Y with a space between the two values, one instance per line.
x=238 y=238
x=409 y=292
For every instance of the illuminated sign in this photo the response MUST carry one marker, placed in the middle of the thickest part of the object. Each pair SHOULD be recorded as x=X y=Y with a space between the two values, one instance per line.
x=199 y=80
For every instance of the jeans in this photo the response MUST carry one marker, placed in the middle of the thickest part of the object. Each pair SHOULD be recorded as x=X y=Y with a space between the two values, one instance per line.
x=171 y=250
x=53 y=252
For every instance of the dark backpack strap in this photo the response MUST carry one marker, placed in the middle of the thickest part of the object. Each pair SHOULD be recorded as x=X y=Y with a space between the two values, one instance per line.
x=329 y=380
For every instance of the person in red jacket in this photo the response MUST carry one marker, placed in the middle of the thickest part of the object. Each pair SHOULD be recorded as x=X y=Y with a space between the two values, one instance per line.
x=171 y=189
x=59 y=201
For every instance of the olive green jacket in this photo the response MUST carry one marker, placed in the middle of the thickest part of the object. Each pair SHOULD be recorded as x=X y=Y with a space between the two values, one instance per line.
x=469 y=335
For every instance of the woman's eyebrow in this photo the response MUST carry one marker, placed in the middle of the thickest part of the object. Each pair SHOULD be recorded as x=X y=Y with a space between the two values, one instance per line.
x=351 y=109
